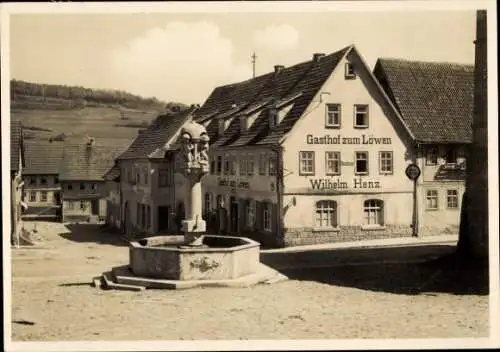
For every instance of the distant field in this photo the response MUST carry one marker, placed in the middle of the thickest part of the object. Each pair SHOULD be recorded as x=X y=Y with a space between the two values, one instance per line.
x=108 y=125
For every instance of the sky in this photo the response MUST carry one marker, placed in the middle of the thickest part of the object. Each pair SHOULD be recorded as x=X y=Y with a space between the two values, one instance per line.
x=184 y=56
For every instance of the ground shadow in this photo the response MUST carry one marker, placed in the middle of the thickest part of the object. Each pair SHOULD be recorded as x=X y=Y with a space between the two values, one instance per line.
x=93 y=233
x=405 y=270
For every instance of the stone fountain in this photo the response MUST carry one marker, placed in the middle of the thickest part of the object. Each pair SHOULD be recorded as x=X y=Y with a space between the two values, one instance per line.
x=194 y=259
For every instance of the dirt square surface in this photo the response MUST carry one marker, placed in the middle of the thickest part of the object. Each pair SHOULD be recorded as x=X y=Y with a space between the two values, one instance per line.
x=52 y=299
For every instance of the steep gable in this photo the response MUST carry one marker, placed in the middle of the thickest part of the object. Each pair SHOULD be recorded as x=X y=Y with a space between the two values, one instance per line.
x=434 y=99
x=159 y=132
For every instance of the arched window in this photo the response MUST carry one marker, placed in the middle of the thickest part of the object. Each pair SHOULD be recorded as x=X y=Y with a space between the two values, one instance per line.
x=208 y=202
x=326 y=213
x=374 y=212
x=220 y=201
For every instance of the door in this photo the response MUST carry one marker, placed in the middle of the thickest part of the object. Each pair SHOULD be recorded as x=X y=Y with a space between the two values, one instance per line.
x=234 y=215
x=163 y=214
x=94 y=205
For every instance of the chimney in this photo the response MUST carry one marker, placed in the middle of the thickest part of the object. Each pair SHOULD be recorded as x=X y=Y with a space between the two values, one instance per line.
x=278 y=69
x=317 y=56
x=91 y=142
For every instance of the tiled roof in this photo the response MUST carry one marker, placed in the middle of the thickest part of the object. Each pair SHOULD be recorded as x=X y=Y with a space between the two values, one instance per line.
x=16 y=143
x=304 y=78
x=435 y=100
x=42 y=157
x=112 y=174
x=87 y=163
x=158 y=133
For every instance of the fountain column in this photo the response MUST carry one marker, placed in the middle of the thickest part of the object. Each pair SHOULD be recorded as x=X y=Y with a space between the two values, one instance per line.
x=194 y=141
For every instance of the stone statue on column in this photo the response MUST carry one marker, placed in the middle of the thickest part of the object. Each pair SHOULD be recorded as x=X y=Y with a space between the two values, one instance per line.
x=194 y=152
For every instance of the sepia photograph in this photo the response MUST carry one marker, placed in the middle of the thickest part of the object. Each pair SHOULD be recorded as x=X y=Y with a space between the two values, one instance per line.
x=250 y=175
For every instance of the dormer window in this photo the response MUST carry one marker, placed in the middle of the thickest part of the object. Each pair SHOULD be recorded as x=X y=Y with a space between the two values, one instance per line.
x=349 y=71
x=221 y=126
x=243 y=124
x=273 y=117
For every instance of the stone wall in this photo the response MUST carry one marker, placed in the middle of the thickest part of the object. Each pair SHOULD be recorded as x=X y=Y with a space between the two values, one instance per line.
x=307 y=236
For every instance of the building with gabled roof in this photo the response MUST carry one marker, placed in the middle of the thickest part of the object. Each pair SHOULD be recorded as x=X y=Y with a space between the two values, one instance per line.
x=435 y=99
x=65 y=181
x=144 y=196
x=311 y=153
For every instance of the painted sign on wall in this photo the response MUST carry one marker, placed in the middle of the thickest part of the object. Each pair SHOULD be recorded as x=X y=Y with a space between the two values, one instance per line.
x=328 y=184
x=233 y=183
x=339 y=139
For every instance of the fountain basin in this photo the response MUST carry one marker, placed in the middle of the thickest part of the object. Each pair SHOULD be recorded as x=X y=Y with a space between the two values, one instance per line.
x=221 y=257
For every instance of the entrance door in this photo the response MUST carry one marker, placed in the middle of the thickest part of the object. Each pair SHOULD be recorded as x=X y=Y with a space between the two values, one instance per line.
x=163 y=214
x=94 y=205
x=234 y=215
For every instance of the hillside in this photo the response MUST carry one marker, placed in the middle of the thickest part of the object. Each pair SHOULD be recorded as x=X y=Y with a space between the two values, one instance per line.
x=75 y=113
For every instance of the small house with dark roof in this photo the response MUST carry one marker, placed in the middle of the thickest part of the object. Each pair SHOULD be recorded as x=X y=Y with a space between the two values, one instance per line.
x=82 y=172
x=17 y=163
x=435 y=100
x=42 y=189
x=147 y=183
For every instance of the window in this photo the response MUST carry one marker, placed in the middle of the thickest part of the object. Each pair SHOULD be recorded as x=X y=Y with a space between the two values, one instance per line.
x=450 y=156
x=361 y=163
x=326 y=213
x=226 y=165
x=431 y=157
x=266 y=216
x=82 y=186
x=232 y=166
x=138 y=214
x=452 y=198
x=163 y=177
x=208 y=202
x=146 y=176
x=148 y=217
x=219 y=164
x=70 y=205
x=243 y=166
x=272 y=167
x=432 y=199
x=306 y=162
x=43 y=180
x=332 y=115
x=212 y=165
x=43 y=196
x=220 y=201
x=361 y=116
x=83 y=205
x=137 y=177
x=32 y=196
x=332 y=163
x=385 y=163
x=221 y=126
x=250 y=165
x=373 y=209
x=262 y=165
x=70 y=187
x=143 y=215
x=93 y=186
x=251 y=213
x=56 y=180
x=273 y=117
x=31 y=180
x=349 y=71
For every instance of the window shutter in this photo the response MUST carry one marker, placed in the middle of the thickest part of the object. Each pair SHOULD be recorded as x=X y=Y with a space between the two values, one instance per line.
x=258 y=216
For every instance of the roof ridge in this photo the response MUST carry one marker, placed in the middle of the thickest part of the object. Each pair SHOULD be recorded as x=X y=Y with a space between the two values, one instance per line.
x=419 y=61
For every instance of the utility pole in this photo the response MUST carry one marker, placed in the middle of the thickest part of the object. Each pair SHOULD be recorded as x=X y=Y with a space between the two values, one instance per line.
x=254 y=59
